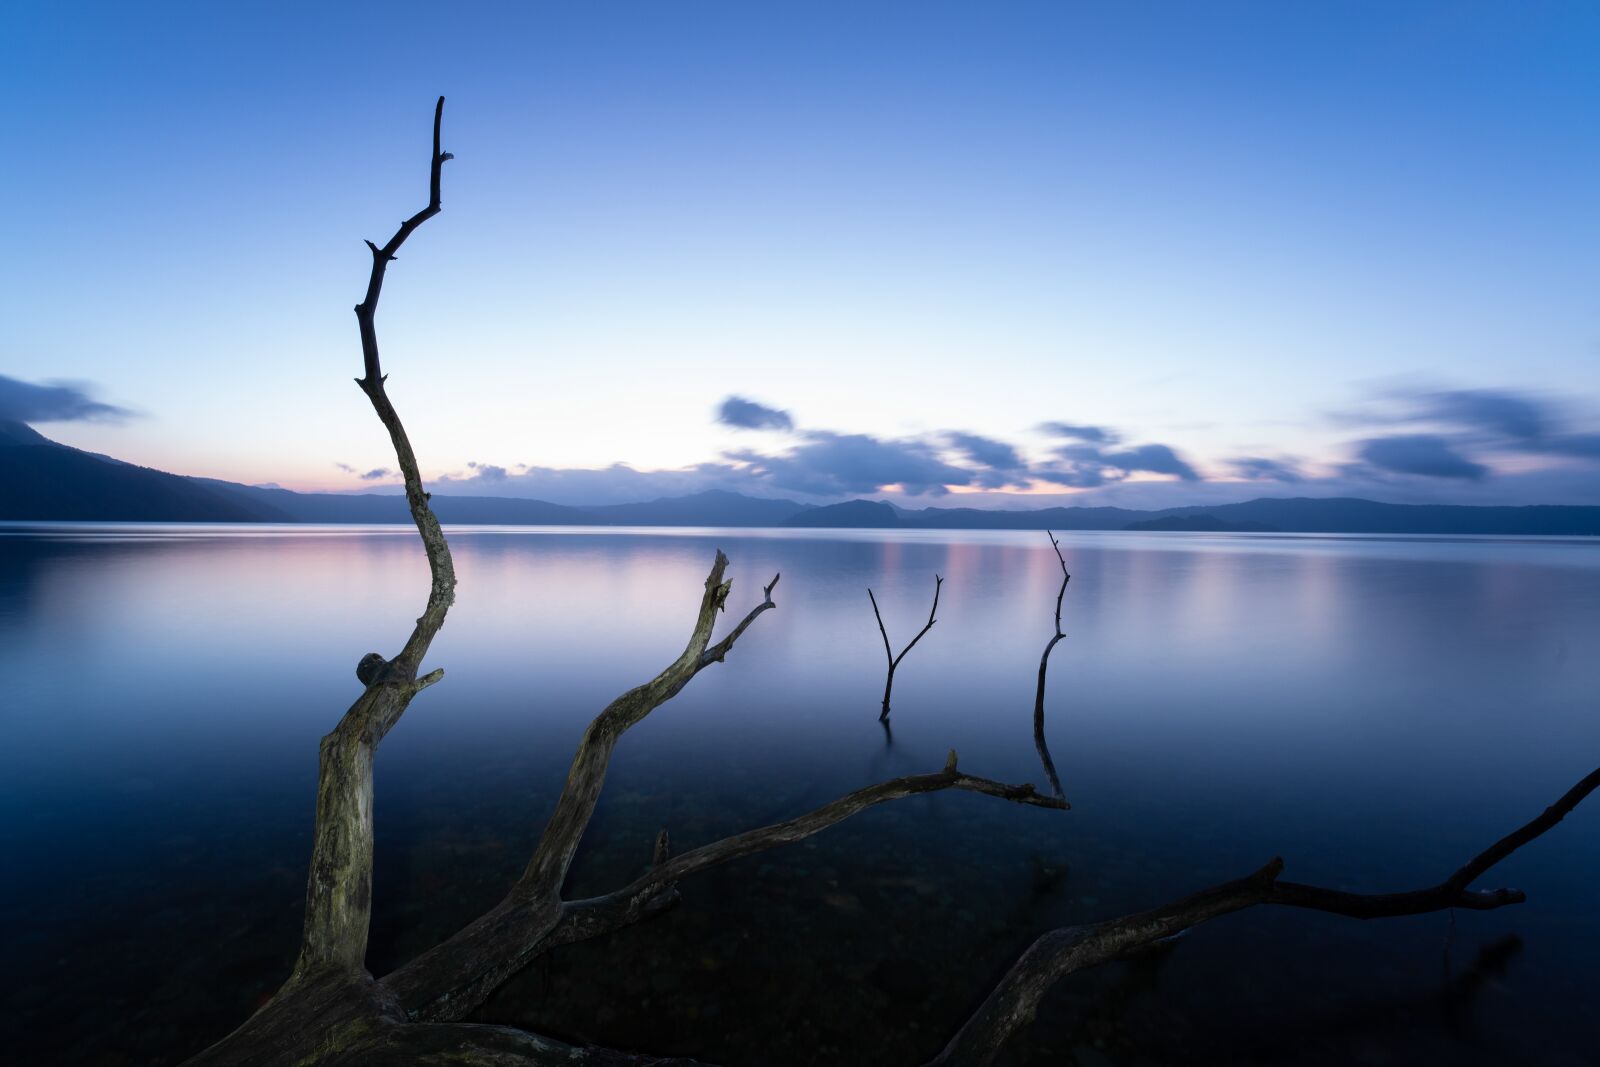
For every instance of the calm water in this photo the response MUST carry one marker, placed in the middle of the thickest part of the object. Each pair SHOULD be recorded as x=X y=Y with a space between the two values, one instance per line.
x=1375 y=710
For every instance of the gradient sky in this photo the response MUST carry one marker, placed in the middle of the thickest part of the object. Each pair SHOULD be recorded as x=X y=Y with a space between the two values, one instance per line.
x=1330 y=236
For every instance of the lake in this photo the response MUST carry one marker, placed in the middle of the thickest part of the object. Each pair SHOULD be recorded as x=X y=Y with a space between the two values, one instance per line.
x=1375 y=710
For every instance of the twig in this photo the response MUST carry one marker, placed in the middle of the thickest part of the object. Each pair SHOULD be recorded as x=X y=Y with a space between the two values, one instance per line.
x=894 y=660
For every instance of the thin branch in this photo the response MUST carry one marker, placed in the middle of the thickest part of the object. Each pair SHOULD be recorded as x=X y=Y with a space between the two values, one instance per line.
x=454 y=976
x=1013 y=1002
x=547 y=871
x=339 y=887
x=1044 y=665
x=803 y=826
x=449 y=981
x=893 y=660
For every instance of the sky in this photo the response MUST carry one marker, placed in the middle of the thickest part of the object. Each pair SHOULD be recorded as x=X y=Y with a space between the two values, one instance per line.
x=986 y=254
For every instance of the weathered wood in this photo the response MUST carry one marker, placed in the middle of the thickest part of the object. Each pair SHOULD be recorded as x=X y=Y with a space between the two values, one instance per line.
x=331 y=1011
x=1013 y=1002
x=339 y=889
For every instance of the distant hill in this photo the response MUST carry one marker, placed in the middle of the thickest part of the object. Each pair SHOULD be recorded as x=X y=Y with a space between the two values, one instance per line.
x=379 y=508
x=715 y=507
x=852 y=513
x=40 y=479
x=1204 y=522
x=43 y=480
x=1076 y=518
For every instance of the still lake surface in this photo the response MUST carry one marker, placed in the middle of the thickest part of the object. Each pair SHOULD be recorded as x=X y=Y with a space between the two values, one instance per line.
x=1373 y=709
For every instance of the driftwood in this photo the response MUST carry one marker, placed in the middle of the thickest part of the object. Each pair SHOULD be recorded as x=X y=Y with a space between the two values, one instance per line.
x=888 y=653
x=332 y=1011
x=1074 y=948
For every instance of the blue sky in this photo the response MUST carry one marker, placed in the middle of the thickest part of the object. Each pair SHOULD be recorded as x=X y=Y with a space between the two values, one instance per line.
x=1260 y=247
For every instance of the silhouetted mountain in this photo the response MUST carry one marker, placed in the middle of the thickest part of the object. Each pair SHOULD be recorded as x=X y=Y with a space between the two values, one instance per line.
x=40 y=479
x=852 y=513
x=1102 y=518
x=378 y=508
x=1202 y=522
x=1351 y=515
x=43 y=480
x=714 y=507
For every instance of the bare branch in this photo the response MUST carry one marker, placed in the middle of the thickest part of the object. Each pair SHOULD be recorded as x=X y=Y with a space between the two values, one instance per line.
x=1061 y=952
x=803 y=826
x=449 y=981
x=894 y=661
x=456 y=975
x=1044 y=665
x=547 y=871
x=339 y=888
x=716 y=652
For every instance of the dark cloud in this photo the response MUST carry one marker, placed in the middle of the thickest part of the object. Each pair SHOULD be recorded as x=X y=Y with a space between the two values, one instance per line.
x=1458 y=428
x=486 y=472
x=1077 y=473
x=1578 y=445
x=53 y=402
x=1001 y=465
x=1428 y=455
x=744 y=414
x=834 y=464
x=1262 y=469
x=372 y=475
x=1099 y=435
x=1519 y=416
x=1087 y=466
x=1157 y=459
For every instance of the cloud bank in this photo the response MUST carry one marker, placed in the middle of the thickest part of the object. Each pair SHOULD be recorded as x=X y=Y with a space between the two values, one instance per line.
x=28 y=402
x=1430 y=445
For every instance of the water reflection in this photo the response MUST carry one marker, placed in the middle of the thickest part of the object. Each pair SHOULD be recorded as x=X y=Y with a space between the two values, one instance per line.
x=1373 y=709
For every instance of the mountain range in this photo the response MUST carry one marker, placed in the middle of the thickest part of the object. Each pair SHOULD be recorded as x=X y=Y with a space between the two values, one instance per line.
x=42 y=480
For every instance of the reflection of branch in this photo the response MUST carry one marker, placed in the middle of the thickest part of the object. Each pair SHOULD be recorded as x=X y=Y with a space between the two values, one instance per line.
x=894 y=660
x=1044 y=665
x=1073 y=948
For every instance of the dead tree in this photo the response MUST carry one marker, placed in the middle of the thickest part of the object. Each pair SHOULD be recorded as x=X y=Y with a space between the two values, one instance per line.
x=332 y=1012
x=888 y=653
x=1012 y=1003
x=1044 y=665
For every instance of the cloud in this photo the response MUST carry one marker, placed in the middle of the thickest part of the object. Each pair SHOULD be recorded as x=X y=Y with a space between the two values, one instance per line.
x=1157 y=459
x=1459 y=432
x=53 y=402
x=1099 y=435
x=835 y=464
x=616 y=484
x=1428 y=455
x=488 y=472
x=744 y=414
x=1087 y=466
x=1002 y=465
x=373 y=475
x=1518 y=416
x=1262 y=469
x=1578 y=445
